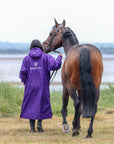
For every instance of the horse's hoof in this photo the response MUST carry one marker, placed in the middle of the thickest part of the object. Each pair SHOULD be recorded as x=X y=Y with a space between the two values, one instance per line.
x=75 y=132
x=88 y=136
x=66 y=128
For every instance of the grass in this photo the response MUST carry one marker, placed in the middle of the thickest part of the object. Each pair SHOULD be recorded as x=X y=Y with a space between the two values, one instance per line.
x=106 y=98
x=11 y=99
x=56 y=103
x=16 y=131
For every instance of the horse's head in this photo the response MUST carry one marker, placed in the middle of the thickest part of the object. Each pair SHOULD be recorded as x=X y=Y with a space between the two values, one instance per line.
x=54 y=39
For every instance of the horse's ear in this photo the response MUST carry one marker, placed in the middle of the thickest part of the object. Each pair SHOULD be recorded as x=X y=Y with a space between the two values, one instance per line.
x=56 y=23
x=64 y=23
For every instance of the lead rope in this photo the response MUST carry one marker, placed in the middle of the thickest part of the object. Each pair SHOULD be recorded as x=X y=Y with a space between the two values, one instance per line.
x=53 y=76
x=54 y=72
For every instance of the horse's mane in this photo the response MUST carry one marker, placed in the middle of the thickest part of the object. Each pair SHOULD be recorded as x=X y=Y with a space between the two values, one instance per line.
x=69 y=33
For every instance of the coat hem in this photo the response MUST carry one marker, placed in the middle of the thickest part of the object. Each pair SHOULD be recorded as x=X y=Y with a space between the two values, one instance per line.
x=34 y=118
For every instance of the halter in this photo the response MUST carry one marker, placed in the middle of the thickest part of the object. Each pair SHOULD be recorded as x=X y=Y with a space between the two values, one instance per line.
x=53 y=74
x=49 y=43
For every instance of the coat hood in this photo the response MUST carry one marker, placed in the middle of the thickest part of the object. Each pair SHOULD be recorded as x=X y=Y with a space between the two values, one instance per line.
x=35 y=53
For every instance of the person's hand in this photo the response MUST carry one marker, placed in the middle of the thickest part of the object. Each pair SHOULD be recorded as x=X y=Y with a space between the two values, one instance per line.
x=60 y=54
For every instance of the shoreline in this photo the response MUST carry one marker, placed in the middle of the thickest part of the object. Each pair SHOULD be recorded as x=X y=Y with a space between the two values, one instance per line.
x=21 y=58
x=54 y=83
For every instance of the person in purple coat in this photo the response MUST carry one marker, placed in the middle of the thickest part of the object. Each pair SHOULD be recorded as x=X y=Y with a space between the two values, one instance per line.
x=35 y=74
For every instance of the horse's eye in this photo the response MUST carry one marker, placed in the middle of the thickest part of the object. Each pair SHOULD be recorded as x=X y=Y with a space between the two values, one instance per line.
x=50 y=34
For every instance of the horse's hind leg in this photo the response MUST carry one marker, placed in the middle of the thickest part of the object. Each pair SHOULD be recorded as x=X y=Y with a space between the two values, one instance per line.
x=72 y=93
x=90 y=129
x=79 y=110
x=64 y=108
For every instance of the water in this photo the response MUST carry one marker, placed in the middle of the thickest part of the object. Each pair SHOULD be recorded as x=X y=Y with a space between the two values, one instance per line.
x=10 y=66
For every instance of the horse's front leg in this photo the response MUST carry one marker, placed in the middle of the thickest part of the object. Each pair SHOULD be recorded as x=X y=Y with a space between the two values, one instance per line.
x=76 y=121
x=65 y=95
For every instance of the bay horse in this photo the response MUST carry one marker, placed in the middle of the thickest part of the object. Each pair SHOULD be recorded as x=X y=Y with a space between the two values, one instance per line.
x=81 y=75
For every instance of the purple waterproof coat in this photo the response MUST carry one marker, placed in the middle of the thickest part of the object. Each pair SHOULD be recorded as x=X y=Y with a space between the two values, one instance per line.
x=35 y=74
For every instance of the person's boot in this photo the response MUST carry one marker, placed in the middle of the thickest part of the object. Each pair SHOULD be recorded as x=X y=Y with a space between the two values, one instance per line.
x=39 y=126
x=32 y=125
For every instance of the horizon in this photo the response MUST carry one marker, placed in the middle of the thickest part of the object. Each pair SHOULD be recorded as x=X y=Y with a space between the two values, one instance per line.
x=20 y=48
x=79 y=42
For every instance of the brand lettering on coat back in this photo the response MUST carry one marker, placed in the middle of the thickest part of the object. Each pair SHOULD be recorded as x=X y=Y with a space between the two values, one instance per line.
x=35 y=66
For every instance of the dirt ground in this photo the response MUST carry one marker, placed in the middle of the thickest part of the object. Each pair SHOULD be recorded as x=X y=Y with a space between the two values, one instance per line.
x=16 y=131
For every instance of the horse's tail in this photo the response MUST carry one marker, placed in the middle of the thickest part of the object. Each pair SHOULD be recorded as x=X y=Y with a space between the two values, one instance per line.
x=87 y=85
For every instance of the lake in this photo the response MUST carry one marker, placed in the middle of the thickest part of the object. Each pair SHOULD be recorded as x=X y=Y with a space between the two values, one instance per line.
x=10 y=66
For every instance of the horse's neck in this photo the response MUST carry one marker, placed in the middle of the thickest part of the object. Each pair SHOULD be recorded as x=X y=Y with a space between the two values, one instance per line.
x=67 y=45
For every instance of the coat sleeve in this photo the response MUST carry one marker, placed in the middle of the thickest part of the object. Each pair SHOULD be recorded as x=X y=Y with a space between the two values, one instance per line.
x=23 y=71
x=54 y=64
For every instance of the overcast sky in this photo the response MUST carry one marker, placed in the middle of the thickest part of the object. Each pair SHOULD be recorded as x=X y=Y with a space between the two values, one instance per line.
x=25 y=20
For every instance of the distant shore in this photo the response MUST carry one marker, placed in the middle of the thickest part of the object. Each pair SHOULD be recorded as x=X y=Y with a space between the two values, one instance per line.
x=21 y=58
x=59 y=83
x=11 y=58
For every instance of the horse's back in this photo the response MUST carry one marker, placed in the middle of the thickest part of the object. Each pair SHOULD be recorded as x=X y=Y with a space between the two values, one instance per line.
x=71 y=66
